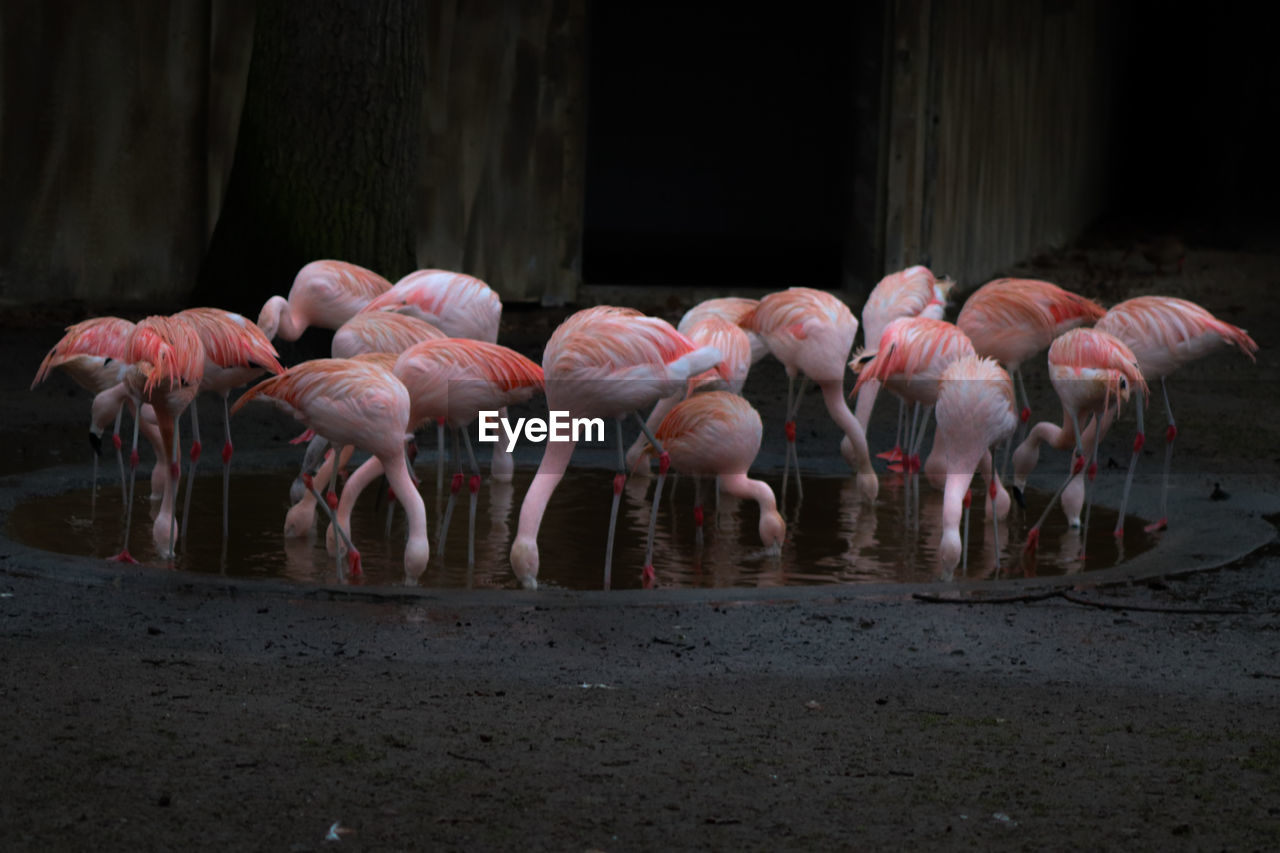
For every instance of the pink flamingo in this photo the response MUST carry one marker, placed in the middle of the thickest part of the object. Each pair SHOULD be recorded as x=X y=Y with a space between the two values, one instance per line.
x=1093 y=374
x=912 y=292
x=603 y=362
x=106 y=409
x=166 y=365
x=1012 y=319
x=709 y=329
x=811 y=332
x=732 y=309
x=235 y=353
x=913 y=352
x=380 y=331
x=325 y=294
x=717 y=433
x=1164 y=334
x=349 y=401
x=461 y=306
x=96 y=365
x=454 y=379
x=974 y=411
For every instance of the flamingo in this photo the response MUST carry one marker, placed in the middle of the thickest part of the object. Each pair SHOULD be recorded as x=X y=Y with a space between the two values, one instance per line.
x=811 y=332
x=1093 y=374
x=380 y=331
x=235 y=353
x=301 y=518
x=732 y=309
x=1012 y=319
x=454 y=379
x=1165 y=333
x=717 y=433
x=349 y=401
x=324 y=294
x=708 y=329
x=106 y=409
x=461 y=306
x=912 y=292
x=603 y=362
x=974 y=411
x=913 y=352
x=166 y=365
x=96 y=365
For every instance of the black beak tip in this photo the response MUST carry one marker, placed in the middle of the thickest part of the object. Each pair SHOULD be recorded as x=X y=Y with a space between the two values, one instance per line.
x=95 y=441
x=1017 y=496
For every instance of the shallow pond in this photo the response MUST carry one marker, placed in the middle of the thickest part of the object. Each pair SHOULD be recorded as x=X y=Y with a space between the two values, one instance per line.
x=832 y=537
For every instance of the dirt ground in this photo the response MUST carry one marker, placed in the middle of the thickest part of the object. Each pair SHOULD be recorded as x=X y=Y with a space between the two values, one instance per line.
x=152 y=710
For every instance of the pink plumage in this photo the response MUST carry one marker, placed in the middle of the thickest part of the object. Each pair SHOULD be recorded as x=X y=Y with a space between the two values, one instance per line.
x=461 y=306
x=1012 y=319
x=324 y=294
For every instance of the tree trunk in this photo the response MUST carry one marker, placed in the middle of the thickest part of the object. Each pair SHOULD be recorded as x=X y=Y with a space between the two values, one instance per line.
x=328 y=151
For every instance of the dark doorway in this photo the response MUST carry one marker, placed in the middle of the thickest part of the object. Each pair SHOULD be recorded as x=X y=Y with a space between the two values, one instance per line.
x=719 y=145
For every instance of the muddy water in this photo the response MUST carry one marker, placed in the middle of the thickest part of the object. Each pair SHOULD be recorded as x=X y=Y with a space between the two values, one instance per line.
x=831 y=537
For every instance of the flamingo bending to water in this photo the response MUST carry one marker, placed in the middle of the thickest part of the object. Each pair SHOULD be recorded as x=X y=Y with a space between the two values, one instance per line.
x=975 y=410
x=811 y=332
x=602 y=362
x=1165 y=333
x=324 y=294
x=349 y=401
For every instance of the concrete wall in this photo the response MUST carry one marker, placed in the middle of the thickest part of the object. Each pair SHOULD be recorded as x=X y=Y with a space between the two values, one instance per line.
x=997 y=130
x=117 y=127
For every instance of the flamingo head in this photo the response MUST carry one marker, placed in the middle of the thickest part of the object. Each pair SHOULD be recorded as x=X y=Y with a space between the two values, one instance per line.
x=772 y=530
x=524 y=561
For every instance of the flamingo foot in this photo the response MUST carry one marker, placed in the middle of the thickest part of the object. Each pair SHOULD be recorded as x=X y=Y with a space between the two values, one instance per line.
x=354 y=568
x=891 y=455
x=1157 y=526
x=123 y=557
x=1033 y=540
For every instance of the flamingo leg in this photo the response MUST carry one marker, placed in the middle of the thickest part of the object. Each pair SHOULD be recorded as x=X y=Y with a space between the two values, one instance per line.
x=964 y=539
x=115 y=439
x=791 y=436
x=455 y=486
x=1091 y=474
x=664 y=463
x=1138 y=441
x=1170 y=434
x=1077 y=466
x=697 y=512
x=439 y=461
x=474 y=487
x=191 y=468
x=124 y=556
x=174 y=468
x=619 y=480
x=333 y=521
x=227 y=451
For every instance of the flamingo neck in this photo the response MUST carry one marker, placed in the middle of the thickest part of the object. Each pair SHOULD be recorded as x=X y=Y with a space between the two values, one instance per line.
x=416 y=550
x=279 y=313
